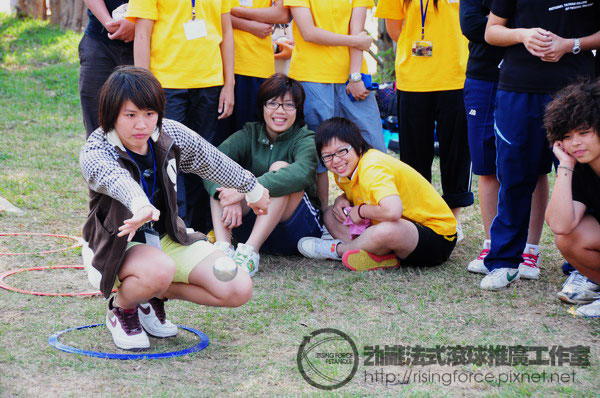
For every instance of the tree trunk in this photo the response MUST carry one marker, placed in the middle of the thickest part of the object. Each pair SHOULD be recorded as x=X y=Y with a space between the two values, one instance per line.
x=72 y=13
x=32 y=8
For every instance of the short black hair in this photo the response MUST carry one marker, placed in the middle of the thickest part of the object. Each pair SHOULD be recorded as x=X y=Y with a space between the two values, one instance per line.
x=278 y=85
x=575 y=107
x=129 y=83
x=344 y=130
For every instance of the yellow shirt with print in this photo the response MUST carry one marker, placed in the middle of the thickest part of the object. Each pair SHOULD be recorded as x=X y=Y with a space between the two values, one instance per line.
x=175 y=61
x=378 y=175
x=445 y=69
x=324 y=64
x=253 y=55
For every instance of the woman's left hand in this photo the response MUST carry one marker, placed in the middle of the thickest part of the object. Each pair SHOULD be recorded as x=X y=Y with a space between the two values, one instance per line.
x=229 y=196
x=357 y=90
x=557 y=48
x=141 y=217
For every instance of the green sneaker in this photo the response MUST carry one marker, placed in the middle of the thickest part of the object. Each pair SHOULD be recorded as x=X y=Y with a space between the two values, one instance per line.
x=246 y=258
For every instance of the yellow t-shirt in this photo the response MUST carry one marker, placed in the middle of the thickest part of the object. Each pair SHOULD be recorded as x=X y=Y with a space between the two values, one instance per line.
x=253 y=55
x=445 y=69
x=378 y=175
x=324 y=64
x=175 y=61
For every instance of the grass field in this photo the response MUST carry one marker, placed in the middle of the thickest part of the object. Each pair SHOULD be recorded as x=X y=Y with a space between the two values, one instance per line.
x=253 y=348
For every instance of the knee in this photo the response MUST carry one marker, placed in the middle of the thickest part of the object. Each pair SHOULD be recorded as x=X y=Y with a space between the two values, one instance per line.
x=280 y=164
x=240 y=292
x=159 y=275
x=567 y=244
x=384 y=233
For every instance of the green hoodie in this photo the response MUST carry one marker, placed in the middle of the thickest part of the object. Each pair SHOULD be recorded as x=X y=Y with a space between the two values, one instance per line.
x=254 y=151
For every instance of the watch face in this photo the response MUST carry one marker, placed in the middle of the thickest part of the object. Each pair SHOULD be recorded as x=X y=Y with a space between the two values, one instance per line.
x=355 y=77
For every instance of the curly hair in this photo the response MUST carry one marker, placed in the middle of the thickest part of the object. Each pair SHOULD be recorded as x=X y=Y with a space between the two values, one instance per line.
x=576 y=107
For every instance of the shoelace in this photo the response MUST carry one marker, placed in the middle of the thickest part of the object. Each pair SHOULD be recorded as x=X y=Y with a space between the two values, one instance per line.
x=530 y=260
x=483 y=253
x=576 y=278
x=159 y=309
x=131 y=321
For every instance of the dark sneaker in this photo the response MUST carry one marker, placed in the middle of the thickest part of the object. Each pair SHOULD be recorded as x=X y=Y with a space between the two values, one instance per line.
x=124 y=326
x=154 y=320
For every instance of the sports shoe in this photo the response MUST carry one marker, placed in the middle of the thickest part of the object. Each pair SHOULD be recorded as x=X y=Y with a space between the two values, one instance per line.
x=459 y=232
x=477 y=265
x=578 y=289
x=499 y=278
x=362 y=260
x=326 y=234
x=320 y=249
x=530 y=267
x=124 y=326
x=591 y=310
x=246 y=258
x=225 y=248
x=153 y=319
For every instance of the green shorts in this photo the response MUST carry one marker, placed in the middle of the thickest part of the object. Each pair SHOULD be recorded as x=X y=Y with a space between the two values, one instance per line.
x=185 y=257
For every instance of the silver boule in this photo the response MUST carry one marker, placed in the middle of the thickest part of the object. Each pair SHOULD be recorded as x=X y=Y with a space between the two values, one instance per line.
x=225 y=269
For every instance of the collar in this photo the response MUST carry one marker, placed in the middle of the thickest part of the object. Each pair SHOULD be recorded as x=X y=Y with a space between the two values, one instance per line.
x=263 y=137
x=113 y=138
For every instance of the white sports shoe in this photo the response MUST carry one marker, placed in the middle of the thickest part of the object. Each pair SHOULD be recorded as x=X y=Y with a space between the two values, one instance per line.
x=225 y=248
x=591 y=310
x=153 y=319
x=530 y=266
x=477 y=265
x=320 y=249
x=499 y=278
x=578 y=289
x=459 y=232
x=124 y=326
x=246 y=258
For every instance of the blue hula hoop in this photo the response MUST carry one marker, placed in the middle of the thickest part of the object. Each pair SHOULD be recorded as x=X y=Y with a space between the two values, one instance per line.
x=54 y=342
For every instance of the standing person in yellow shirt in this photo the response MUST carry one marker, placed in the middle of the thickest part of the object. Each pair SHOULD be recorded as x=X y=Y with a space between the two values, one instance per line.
x=328 y=60
x=188 y=46
x=431 y=60
x=252 y=25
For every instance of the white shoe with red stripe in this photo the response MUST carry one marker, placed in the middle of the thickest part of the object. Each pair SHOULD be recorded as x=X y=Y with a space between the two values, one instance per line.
x=530 y=267
x=477 y=265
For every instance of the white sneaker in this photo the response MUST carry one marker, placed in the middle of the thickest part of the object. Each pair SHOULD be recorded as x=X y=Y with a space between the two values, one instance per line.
x=125 y=328
x=499 y=278
x=225 y=247
x=326 y=234
x=591 y=310
x=530 y=267
x=153 y=319
x=477 y=265
x=246 y=258
x=320 y=249
x=459 y=232
x=578 y=289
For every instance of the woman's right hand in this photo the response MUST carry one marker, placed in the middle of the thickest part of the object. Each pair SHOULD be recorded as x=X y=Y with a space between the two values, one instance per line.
x=536 y=41
x=362 y=41
x=141 y=217
x=562 y=155
x=338 y=208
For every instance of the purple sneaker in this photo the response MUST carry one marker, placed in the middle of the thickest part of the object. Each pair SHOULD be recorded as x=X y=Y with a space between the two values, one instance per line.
x=154 y=320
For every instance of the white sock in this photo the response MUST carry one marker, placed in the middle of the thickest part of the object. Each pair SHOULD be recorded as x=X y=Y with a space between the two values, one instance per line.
x=532 y=249
x=487 y=244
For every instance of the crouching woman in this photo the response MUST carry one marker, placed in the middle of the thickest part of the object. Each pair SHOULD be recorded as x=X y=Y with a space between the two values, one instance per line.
x=136 y=243
x=387 y=215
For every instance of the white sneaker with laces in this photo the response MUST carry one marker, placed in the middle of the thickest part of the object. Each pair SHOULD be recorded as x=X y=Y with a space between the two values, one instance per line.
x=591 y=310
x=477 y=265
x=530 y=266
x=578 y=289
x=499 y=278
x=225 y=247
x=320 y=249
x=246 y=258
x=459 y=232
x=124 y=326
x=154 y=320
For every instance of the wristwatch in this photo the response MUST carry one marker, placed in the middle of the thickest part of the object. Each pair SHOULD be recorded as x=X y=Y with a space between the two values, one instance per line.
x=576 y=46
x=355 y=77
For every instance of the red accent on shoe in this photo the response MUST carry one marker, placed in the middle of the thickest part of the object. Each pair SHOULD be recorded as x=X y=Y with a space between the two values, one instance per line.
x=483 y=254
x=374 y=257
x=530 y=260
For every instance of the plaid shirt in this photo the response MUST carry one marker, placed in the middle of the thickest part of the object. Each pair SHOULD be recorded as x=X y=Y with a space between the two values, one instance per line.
x=99 y=164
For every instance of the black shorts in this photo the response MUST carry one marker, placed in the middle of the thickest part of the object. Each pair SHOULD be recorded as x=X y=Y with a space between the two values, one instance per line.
x=432 y=248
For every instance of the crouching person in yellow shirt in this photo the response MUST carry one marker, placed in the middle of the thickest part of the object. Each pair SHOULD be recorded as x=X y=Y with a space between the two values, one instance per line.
x=388 y=214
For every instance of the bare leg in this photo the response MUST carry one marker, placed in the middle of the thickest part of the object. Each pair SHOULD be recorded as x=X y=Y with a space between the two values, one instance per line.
x=400 y=237
x=538 y=208
x=222 y=233
x=146 y=272
x=336 y=228
x=323 y=189
x=204 y=288
x=581 y=247
x=488 y=200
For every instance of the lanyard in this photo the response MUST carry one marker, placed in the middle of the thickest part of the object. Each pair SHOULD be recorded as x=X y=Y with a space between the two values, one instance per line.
x=423 y=16
x=194 y=9
x=144 y=183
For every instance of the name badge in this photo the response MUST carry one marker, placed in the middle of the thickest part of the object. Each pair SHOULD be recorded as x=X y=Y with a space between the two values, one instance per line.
x=152 y=237
x=195 y=29
x=246 y=3
x=422 y=48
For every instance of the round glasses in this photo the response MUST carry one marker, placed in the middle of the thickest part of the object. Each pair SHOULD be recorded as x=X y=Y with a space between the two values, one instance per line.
x=339 y=153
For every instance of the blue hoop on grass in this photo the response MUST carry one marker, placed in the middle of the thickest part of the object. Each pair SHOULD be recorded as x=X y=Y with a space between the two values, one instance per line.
x=53 y=341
